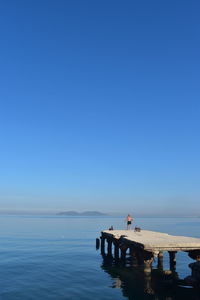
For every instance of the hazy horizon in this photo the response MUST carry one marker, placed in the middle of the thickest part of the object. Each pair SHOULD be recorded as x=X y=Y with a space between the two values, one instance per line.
x=107 y=213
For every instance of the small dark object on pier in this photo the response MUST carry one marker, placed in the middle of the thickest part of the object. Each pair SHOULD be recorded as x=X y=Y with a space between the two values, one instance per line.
x=111 y=228
x=137 y=229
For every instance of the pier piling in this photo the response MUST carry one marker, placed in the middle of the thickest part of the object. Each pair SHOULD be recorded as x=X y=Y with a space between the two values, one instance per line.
x=97 y=243
x=109 y=248
x=160 y=261
x=116 y=250
x=102 y=245
x=172 y=260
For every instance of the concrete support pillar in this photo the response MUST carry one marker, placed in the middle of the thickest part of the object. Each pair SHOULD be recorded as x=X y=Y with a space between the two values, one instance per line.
x=109 y=247
x=97 y=243
x=147 y=261
x=172 y=260
x=133 y=259
x=160 y=261
x=102 y=245
x=116 y=251
x=132 y=252
x=140 y=257
x=123 y=253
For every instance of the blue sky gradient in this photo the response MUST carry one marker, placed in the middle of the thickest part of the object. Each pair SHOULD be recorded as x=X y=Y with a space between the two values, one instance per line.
x=99 y=106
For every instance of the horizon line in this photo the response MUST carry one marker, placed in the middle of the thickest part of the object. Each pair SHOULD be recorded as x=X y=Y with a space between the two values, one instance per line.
x=106 y=214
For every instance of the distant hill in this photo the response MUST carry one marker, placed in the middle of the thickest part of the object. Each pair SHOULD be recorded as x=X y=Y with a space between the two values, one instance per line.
x=85 y=213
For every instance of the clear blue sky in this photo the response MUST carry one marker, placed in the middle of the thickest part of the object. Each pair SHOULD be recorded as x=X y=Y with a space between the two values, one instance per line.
x=100 y=105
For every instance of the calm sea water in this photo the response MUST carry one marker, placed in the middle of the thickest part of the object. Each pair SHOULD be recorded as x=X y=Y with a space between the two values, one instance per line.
x=50 y=257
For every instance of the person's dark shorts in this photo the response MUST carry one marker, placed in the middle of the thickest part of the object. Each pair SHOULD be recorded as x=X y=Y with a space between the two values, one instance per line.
x=129 y=223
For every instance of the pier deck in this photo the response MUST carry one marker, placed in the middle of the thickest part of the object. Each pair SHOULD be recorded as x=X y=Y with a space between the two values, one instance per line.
x=153 y=241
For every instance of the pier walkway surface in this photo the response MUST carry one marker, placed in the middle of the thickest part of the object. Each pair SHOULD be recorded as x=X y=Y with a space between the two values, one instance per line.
x=153 y=241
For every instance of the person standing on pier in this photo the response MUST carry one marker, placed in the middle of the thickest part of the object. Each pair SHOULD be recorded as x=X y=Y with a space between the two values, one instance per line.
x=129 y=222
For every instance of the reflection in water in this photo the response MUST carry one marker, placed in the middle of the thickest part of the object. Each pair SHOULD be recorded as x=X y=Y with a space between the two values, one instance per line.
x=136 y=285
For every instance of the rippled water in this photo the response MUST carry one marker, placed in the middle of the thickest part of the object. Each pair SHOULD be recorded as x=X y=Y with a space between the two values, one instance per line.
x=50 y=257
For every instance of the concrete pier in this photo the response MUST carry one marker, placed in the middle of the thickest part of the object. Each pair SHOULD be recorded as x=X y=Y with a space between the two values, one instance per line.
x=151 y=241
x=146 y=245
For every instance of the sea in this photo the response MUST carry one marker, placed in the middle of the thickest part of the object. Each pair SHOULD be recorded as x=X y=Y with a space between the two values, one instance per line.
x=55 y=257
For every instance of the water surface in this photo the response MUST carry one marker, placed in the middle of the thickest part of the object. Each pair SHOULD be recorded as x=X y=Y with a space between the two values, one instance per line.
x=54 y=257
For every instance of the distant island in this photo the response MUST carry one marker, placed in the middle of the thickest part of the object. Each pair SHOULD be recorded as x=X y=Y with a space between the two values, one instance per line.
x=85 y=213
